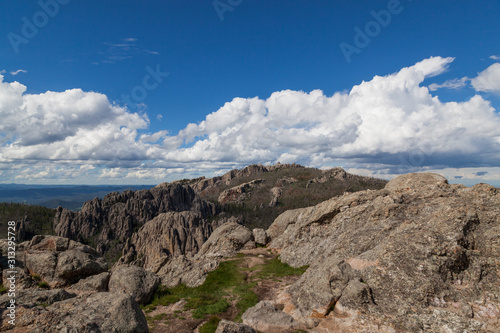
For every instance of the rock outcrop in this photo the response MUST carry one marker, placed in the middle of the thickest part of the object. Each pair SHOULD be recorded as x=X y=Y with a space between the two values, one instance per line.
x=192 y=269
x=134 y=281
x=166 y=236
x=59 y=261
x=418 y=256
x=265 y=317
x=96 y=313
x=203 y=184
x=118 y=215
x=79 y=302
x=237 y=193
x=182 y=247
x=335 y=173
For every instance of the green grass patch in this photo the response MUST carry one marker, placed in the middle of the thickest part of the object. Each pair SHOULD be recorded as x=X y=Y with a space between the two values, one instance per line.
x=44 y=285
x=211 y=325
x=3 y=290
x=160 y=316
x=200 y=309
x=228 y=282
x=211 y=297
x=247 y=298
x=276 y=268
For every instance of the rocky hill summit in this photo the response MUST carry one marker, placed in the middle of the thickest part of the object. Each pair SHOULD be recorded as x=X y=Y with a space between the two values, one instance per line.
x=257 y=194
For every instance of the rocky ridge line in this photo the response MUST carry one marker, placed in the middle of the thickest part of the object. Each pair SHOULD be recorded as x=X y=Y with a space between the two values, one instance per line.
x=118 y=215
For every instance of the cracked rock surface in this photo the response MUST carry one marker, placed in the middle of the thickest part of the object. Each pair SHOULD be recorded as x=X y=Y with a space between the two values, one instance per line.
x=417 y=256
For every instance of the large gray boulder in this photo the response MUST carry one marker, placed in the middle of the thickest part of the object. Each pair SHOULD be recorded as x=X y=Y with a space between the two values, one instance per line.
x=60 y=261
x=225 y=241
x=417 y=256
x=134 y=281
x=260 y=236
x=95 y=313
x=186 y=270
x=94 y=283
x=421 y=182
x=265 y=317
x=33 y=297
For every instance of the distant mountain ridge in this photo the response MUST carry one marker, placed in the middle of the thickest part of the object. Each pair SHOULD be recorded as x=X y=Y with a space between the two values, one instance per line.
x=71 y=197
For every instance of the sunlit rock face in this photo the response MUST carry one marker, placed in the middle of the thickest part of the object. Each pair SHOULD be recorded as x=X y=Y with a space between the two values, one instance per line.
x=416 y=256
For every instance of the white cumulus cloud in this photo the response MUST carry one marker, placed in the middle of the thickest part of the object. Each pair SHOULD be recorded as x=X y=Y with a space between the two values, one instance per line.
x=388 y=125
x=67 y=126
x=488 y=80
x=377 y=122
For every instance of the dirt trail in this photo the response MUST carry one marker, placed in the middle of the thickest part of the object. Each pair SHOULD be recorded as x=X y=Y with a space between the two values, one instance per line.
x=173 y=318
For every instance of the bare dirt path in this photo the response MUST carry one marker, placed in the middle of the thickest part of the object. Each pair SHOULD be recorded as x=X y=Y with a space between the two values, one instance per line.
x=175 y=319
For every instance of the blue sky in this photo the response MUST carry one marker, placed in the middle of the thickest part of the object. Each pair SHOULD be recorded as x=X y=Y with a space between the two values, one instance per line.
x=105 y=91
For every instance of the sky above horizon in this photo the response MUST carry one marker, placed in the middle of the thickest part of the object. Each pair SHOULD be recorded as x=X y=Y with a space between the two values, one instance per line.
x=128 y=92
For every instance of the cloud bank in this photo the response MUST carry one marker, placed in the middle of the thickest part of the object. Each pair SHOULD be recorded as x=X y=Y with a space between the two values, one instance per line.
x=388 y=125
